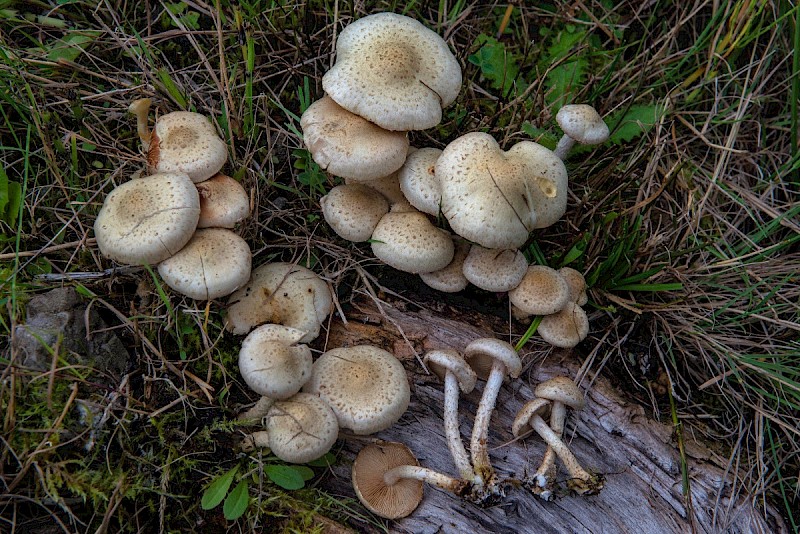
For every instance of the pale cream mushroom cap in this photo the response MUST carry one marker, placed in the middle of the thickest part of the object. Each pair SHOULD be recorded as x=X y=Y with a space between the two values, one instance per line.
x=388 y=501
x=147 y=220
x=223 y=202
x=406 y=240
x=549 y=187
x=537 y=406
x=366 y=387
x=561 y=389
x=418 y=180
x=388 y=186
x=301 y=428
x=280 y=293
x=213 y=264
x=442 y=361
x=483 y=352
x=272 y=363
x=542 y=291
x=393 y=71
x=451 y=279
x=186 y=142
x=494 y=270
x=348 y=145
x=566 y=328
x=577 y=285
x=582 y=123
x=353 y=210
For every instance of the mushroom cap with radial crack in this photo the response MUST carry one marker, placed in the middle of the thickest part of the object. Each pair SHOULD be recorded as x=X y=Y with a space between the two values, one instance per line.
x=388 y=501
x=272 y=363
x=213 y=264
x=442 y=361
x=353 y=210
x=393 y=71
x=301 y=428
x=577 y=285
x=280 y=293
x=348 y=145
x=548 y=190
x=407 y=240
x=483 y=352
x=566 y=328
x=418 y=180
x=223 y=202
x=494 y=270
x=582 y=123
x=186 y=142
x=147 y=220
x=366 y=387
x=561 y=389
x=542 y=291
x=451 y=279
x=488 y=195
x=537 y=406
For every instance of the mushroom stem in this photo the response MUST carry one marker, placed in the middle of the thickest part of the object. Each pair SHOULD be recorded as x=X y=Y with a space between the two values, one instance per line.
x=434 y=478
x=480 y=429
x=563 y=147
x=258 y=411
x=141 y=109
x=452 y=432
x=256 y=440
x=542 y=480
x=581 y=481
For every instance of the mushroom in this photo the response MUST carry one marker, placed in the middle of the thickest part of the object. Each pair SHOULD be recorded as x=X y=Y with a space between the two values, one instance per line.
x=280 y=293
x=366 y=387
x=213 y=264
x=186 y=142
x=504 y=362
x=577 y=285
x=387 y=479
x=582 y=124
x=272 y=363
x=353 y=210
x=393 y=71
x=223 y=202
x=566 y=328
x=147 y=220
x=348 y=145
x=450 y=366
x=418 y=180
x=494 y=270
x=581 y=481
x=451 y=279
x=542 y=291
x=301 y=428
x=141 y=109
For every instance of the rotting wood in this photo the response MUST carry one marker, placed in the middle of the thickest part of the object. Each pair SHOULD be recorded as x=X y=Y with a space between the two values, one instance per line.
x=614 y=437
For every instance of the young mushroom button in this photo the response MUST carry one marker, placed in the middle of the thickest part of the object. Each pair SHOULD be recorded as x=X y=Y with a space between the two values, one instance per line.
x=582 y=124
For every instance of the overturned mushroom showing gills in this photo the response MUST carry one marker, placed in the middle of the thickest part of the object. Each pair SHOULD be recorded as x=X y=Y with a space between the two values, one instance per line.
x=223 y=202
x=186 y=142
x=582 y=124
x=272 y=363
x=148 y=219
x=301 y=428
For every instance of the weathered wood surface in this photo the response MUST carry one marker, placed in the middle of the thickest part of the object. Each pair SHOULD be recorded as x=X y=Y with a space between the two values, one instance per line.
x=637 y=455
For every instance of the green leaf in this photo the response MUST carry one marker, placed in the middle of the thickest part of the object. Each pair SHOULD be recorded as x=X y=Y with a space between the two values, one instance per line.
x=70 y=47
x=327 y=460
x=627 y=125
x=546 y=138
x=306 y=473
x=570 y=71
x=237 y=501
x=497 y=65
x=285 y=476
x=216 y=491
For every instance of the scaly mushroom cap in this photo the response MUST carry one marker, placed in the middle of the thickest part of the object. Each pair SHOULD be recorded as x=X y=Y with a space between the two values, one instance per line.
x=442 y=361
x=483 y=352
x=561 y=389
x=418 y=180
x=353 y=210
x=451 y=279
x=147 y=220
x=393 y=71
x=301 y=428
x=186 y=142
x=566 y=328
x=406 y=240
x=537 y=406
x=280 y=293
x=577 y=285
x=542 y=291
x=213 y=264
x=489 y=195
x=495 y=270
x=272 y=363
x=348 y=145
x=223 y=202
x=365 y=386
x=582 y=123
x=369 y=467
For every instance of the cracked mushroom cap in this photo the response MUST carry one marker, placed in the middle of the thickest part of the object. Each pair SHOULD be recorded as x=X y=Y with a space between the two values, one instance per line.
x=582 y=123
x=213 y=264
x=301 y=428
x=348 y=145
x=280 y=293
x=272 y=363
x=537 y=406
x=148 y=219
x=389 y=501
x=451 y=279
x=495 y=270
x=566 y=328
x=418 y=180
x=353 y=210
x=442 y=361
x=483 y=352
x=561 y=389
x=577 y=285
x=186 y=142
x=366 y=387
x=407 y=240
x=393 y=71
x=223 y=202
x=542 y=291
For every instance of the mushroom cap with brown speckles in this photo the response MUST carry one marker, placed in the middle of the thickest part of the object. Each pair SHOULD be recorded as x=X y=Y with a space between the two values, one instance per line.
x=223 y=202
x=418 y=180
x=301 y=428
x=353 y=210
x=542 y=291
x=566 y=328
x=494 y=270
x=407 y=240
x=186 y=142
x=272 y=363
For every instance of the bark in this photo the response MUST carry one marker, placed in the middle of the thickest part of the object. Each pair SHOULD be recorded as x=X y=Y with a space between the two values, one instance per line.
x=637 y=455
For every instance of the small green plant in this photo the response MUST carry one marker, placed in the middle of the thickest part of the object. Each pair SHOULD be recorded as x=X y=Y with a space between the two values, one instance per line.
x=10 y=198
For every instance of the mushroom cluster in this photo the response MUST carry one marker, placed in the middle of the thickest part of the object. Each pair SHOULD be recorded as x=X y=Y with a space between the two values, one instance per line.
x=180 y=216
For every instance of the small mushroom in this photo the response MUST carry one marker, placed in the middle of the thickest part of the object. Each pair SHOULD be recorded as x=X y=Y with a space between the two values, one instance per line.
x=140 y=108
x=186 y=142
x=542 y=291
x=223 y=202
x=353 y=210
x=301 y=428
x=577 y=285
x=451 y=279
x=495 y=270
x=582 y=124
x=272 y=363
x=565 y=328
x=418 y=180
